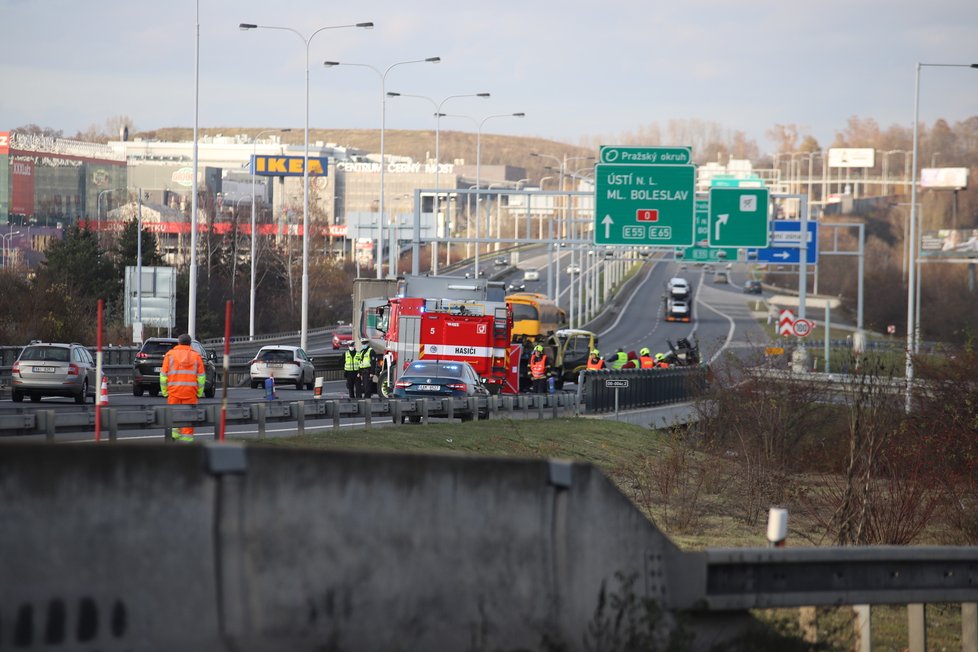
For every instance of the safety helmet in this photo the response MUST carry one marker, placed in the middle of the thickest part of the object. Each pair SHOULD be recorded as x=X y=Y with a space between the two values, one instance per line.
x=644 y=351
x=365 y=341
x=595 y=352
x=660 y=356
x=538 y=348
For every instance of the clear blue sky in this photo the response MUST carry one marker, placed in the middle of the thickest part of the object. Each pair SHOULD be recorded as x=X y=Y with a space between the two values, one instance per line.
x=577 y=69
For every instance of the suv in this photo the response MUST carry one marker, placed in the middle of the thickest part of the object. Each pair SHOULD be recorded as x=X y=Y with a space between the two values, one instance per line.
x=53 y=369
x=149 y=361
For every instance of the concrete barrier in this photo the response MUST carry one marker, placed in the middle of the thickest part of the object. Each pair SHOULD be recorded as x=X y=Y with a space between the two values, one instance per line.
x=176 y=547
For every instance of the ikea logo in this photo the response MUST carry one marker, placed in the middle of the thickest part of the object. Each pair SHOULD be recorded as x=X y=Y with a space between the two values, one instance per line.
x=288 y=166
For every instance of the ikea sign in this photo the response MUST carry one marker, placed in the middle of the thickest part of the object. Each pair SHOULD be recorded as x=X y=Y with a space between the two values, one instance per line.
x=288 y=166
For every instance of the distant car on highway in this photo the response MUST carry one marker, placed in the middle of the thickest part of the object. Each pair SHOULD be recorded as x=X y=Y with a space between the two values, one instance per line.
x=573 y=269
x=500 y=262
x=531 y=275
x=720 y=277
x=53 y=369
x=286 y=364
x=149 y=360
x=752 y=287
x=342 y=336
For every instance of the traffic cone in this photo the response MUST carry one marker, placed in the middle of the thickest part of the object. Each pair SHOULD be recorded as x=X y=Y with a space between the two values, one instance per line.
x=317 y=392
x=103 y=392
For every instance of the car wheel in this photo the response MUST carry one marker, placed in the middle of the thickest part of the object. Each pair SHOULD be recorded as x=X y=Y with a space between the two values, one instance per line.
x=17 y=396
x=154 y=391
x=137 y=390
x=81 y=396
x=254 y=385
x=311 y=385
x=35 y=398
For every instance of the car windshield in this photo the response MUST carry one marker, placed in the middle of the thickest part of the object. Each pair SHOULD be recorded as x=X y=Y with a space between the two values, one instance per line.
x=157 y=347
x=453 y=370
x=275 y=355
x=50 y=353
x=344 y=330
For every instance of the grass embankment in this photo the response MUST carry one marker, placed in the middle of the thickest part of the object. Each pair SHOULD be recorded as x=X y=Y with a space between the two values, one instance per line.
x=647 y=466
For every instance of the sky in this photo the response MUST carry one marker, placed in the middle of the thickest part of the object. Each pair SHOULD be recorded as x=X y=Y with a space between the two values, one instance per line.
x=578 y=70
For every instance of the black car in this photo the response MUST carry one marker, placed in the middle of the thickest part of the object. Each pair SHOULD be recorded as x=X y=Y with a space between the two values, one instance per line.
x=752 y=287
x=440 y=379
x=149 y=361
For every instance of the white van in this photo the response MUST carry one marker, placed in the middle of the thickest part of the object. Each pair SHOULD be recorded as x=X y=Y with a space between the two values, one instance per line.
x=531 y=275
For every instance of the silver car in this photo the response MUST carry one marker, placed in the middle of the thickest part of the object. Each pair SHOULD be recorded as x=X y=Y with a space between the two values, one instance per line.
x=286 y=364
x=53 y=369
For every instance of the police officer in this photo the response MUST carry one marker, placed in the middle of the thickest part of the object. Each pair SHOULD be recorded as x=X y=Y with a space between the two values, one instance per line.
x=366 y=364
x=351 y=370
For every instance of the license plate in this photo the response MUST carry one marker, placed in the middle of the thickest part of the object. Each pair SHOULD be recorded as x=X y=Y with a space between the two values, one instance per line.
x=44 y=370
x=429 y=388
x=273 y=365
x=157 y=369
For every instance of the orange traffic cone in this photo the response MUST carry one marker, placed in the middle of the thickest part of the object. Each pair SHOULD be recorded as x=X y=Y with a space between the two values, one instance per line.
x=103 y=393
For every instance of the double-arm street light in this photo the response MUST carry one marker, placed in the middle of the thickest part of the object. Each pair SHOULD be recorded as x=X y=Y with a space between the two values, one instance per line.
x=98 y=210
x=383 y=164
x=912 y=236
x=478 y=177
x=251 y=295
x=7 y=246
x=304 y=333
x=438 y=116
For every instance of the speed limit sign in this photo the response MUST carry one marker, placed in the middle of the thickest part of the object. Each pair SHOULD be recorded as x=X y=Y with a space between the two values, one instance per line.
x=802 y=327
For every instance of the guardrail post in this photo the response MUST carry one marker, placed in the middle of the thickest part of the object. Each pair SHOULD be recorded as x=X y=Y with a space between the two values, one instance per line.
x=167 y=412
x=864 y=628
x=394 y=407
x=113 y=414
x=539 y=398
x=261 y=415
x=473 y=405
x=917 y=627
x=508 y=405
x=334 y=406
x=211 y=415
x=47 y=423
x=969 y=627
x=493 y=402
x=424 y=410
x=300 y=417
x=451 y=407
x=367 y=414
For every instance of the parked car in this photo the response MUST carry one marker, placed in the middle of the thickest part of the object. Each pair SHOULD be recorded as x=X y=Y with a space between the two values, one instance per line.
x=53 y=369
x=286 y=364
x=149 y=360
x=752 y=287
x=440 y=379
x=342 y=336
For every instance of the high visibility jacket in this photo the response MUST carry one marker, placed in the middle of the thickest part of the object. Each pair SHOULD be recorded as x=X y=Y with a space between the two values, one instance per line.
x=538 y=365
x=620 y=359
x=350 y=362
x=183 y=375
x=595 y=364
x=647 y=361
x=366 y=358
x=662 y=364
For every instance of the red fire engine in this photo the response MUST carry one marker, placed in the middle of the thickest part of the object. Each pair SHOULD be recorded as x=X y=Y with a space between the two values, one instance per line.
x=477 y=332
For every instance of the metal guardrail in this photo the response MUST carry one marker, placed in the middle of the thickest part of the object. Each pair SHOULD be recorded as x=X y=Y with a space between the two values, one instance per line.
x=609 y=390
x=47 y=422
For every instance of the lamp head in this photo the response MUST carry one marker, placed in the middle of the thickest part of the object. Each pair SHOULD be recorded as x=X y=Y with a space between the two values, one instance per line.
x=330 y=64
x=244 y=27
x=482 y=94
x=433 y=60
x=365 y=25
x=393 y=94
x=519 y=115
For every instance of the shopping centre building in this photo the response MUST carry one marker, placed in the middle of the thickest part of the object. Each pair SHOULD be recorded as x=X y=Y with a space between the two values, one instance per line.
x=56 y=183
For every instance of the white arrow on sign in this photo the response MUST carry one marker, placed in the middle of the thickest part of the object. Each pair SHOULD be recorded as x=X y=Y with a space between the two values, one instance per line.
x=721 y=219
x=783 y=255
x=607 y=221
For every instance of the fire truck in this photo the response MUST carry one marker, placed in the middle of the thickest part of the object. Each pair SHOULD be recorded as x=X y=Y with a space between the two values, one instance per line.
x=473 y=331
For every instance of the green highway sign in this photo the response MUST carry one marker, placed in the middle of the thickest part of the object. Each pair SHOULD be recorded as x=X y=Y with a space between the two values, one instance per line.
x=646 y=155
x=738 y=217
x=700 y=253
x=644 y=205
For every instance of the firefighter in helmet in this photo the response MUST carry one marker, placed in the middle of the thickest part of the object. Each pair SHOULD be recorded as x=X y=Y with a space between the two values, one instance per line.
x=595 y=362
x=660 y=361
x=645 y=359
x=539 y=369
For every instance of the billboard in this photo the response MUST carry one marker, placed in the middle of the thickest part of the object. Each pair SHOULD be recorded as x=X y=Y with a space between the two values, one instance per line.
x=22 y=182
x=949 y=243
x=946 y=178
x=852 y=157
x=156 y=301
x=288 y=166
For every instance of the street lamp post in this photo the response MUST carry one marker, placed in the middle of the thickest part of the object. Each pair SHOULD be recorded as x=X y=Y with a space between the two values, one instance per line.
x=912 y=235
x=7 y=246
x=304 y=333
x=478 y=180
x=438 y=115
x=383 y=165
x=251 y=294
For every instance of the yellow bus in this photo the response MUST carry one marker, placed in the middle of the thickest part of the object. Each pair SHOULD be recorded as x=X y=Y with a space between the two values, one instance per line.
x=534 y=316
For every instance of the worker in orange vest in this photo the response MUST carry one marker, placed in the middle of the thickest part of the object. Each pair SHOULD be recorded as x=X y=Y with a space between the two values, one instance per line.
x=660 y=361
x=595 y=362
x=539 y=370
x=646 y=361
x=182 y=380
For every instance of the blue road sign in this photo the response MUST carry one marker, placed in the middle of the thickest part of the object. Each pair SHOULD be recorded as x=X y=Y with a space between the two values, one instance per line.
x=785 y=240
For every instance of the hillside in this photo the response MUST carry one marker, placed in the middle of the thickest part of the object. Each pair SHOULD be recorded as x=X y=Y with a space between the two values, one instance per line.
x=420 y=145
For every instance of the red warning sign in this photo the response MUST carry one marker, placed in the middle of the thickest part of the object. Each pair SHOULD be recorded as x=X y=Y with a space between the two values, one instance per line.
x=647 y=215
